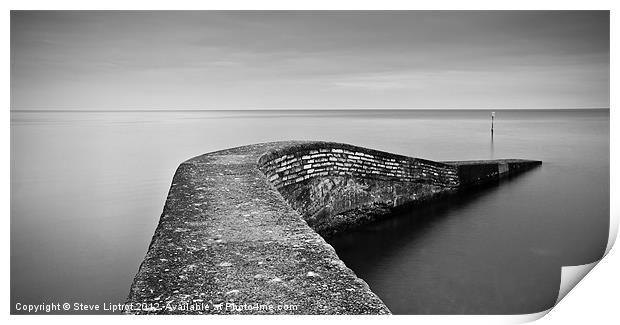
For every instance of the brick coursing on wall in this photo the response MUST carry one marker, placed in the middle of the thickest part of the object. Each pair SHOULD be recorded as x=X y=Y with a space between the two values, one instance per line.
x=302 y=162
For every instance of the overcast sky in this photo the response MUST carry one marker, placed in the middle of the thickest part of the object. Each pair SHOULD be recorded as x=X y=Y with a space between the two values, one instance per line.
x=245 y=60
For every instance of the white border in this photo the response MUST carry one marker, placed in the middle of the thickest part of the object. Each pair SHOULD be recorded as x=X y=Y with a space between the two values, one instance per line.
x=593 y=300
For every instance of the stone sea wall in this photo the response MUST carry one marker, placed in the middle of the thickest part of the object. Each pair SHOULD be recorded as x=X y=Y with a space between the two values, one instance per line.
x=241 y=227
x=474 y=172
x=337 y=186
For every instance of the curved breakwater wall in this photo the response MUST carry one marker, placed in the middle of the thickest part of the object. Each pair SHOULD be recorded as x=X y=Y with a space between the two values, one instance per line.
x=337 y=186
x=295 y=164
x=240 y=228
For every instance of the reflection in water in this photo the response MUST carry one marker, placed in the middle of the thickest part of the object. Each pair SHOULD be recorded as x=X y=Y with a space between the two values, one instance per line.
x=406 y=263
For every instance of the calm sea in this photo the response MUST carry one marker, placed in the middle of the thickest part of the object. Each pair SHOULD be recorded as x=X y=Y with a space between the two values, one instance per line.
x=87 y=189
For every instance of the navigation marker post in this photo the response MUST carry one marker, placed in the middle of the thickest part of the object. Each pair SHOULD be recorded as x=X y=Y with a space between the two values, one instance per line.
x=492 y=122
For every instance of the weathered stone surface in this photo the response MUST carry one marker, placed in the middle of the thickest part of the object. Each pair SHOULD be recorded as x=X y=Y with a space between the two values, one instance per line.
x=227 y=234
x=331 y=204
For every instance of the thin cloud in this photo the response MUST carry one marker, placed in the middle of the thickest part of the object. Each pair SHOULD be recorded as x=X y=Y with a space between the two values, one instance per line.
x=215 y=59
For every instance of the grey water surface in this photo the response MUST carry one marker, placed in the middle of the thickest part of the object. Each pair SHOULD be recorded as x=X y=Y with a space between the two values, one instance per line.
x=87 y=189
